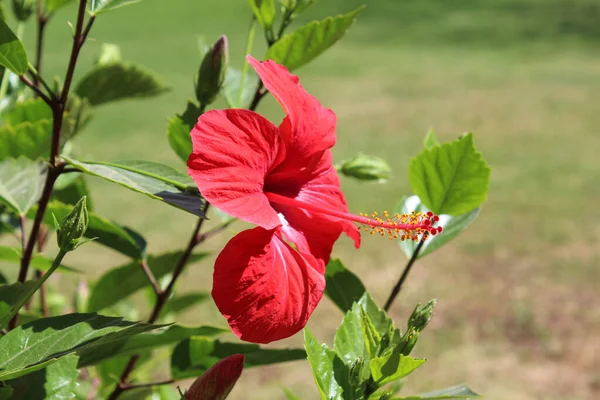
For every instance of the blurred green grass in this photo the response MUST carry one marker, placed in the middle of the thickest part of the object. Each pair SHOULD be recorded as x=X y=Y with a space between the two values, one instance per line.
x=516 y=291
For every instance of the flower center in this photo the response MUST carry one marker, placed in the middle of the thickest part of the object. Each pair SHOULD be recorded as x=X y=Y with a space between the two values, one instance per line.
x=414 y=226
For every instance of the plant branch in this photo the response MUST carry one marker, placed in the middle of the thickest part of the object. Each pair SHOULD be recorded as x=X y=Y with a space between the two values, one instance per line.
x=151 y=277
x=396 y=289
x=23 y=233
x=41 y=25
x=78 y=40
x=145 y=385
x=36 y=89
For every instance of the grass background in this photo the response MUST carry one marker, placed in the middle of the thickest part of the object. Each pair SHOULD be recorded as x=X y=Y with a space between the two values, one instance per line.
x=517 y=314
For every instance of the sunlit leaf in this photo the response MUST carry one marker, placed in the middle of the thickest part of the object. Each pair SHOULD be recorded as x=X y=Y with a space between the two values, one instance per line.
x=155 y=180
x=20 y=183
x=321 y=360
x=302 y=46
x=100 y=6
x=12 y=52
x=27 y=139
x=452 y=178
x=55 y=382
x=33 y=346
x=453 y=225
x=38 y=261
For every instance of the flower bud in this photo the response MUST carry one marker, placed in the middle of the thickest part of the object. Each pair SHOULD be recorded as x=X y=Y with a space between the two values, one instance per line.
x=217 y=381
x=70 y=231
x=212 y=72
x=408 y=341
x=366 y=168
x=421 y=315
x=23 y=9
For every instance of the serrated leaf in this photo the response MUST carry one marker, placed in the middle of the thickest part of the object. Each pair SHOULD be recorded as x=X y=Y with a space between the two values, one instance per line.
x=12 y=298
x=393 y=366
x=455 y=392
x=20 y=183
x=195 y=355
x=121 y=282
x=342 y=286
x=302 y=46
x=27 y=139
x=264 y=11
x=145 y=342
x=350 y=342
x=100 y=6
x=53 y=5
x=178 y=133
x=38 y=261
x=452 y=178
x=12 y=53
x=31 y=110
x=155 y=180
x=453 y=225
x=108 y=233
x=118 y=81
x=33 y=346
x=231 y=88
x=321 y=360
x=57 y=381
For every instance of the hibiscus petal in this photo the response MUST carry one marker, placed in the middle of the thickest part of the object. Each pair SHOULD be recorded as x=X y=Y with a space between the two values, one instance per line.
x=265 y=288
x=309 y=128
x=233 y=151
x=314 y=232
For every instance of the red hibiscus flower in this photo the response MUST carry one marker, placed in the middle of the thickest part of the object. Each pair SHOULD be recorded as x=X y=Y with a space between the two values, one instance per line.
x=268 y=280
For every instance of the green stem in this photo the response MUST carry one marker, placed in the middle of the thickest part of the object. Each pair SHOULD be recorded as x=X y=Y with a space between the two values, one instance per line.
x=249 y=44
x=38 y=284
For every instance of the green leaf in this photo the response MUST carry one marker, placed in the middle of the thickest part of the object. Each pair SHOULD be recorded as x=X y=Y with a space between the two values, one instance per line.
x=231 y=88
x=31 y=110
x=430 y=140
x=20 y=183
x=33 y=346
x=118 y=81
x=5 y=390
x=321 y=360
x=38 y=261
x=71 y=187
x=452 y=178
x=393 y=366
x=12 y=52
x=100 y=6
x=121 y=282
x=53 y=5
x=146 y=341
x=342 y=286
x=155 y=180
x=121 y=239
x=264 y=11
x=350 y=343
x=289 y=394
x=57 y=381
x=178 y=133
x=453 y=225
x=27 y=139
x=181 y=303
x=12 y=298
x=195 y=355
x=455 y=392
x=302 y=46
